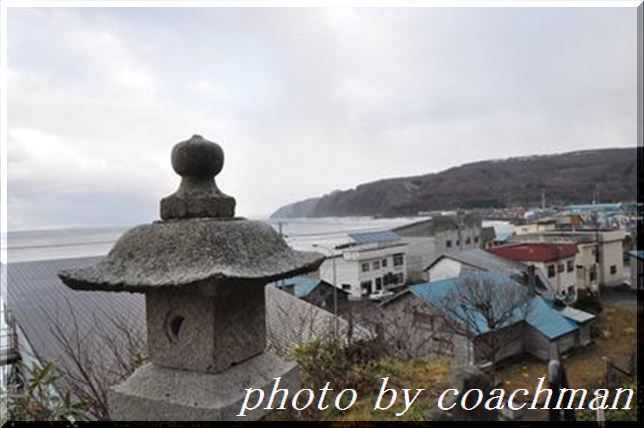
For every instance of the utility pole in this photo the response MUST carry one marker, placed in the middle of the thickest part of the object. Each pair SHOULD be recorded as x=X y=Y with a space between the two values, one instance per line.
x=335 y=287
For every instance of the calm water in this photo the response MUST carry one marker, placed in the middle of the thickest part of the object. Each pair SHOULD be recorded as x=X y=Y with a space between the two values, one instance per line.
x=301 y=234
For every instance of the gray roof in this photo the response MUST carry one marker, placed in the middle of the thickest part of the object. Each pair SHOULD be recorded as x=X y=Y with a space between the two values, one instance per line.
x=487 y=261
x=36 y=296
x=436 y=224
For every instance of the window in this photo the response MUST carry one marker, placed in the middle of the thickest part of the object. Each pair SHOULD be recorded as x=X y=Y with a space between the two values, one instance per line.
x=476 y=239
x=365 y=267
x=458 y=243
x=346 y=286
x=384 y=263
x=376 y=265
x=448 y=244
x=593 y=273
x=365 y=287
x=467 y=241
x=378 y=283
x=571 y=265
x=551 y=271
x=561 y=268
x=399 y=259
x=571 y=290
x=399 y=278
x=613 y=269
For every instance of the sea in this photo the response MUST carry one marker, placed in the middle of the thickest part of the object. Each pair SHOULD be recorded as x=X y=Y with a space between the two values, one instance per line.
x=304 y=234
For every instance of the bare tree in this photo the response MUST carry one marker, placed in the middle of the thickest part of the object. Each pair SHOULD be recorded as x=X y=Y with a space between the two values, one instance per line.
x=488 y=310
x=91 y=360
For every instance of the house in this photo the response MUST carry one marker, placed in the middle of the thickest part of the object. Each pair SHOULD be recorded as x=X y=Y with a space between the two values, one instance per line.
x=535 y=331
x=461 y=263
x=441 y=234
x=637 y=269
x=374 y=261
x=316 y=292
x=599 y=261
x=555 y=259
x=537 y=226
x=38 y=300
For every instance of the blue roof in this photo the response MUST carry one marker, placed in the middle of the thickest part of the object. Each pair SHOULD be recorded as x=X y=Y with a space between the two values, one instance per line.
x=302 y=285
x=541 y=315
x=637 y=254
x=370 y=237
x=547 y=320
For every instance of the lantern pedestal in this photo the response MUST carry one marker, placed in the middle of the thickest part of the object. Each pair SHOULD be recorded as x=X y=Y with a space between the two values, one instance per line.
x=155 y=393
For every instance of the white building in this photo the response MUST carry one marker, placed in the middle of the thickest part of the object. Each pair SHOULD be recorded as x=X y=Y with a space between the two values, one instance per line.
x=454 y=265
x=376 y=261
x=600 y=254
x=428 y=239
x=555 y=259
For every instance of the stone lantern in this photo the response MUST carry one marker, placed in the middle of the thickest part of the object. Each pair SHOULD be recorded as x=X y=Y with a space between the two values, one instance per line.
x=203 y=272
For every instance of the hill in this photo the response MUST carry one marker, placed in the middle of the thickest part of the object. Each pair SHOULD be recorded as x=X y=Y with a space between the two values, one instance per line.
x=566 y=178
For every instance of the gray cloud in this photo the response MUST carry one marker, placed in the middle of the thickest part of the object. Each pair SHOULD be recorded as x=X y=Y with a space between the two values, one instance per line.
x=303 y=101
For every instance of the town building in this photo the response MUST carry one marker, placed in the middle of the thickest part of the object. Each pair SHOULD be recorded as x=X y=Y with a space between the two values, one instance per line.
x=600 y=254
x=317 y=292
x=441 y=234
x=462 y=263
x=544 y=325
x=538 y=226
x=488 y=237
x=637 y=269
x=374 y=262
x=555 y=259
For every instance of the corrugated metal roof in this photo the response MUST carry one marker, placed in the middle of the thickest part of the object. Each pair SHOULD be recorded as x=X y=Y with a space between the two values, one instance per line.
x=35 y=294
x=540 y=315
x=373 y=237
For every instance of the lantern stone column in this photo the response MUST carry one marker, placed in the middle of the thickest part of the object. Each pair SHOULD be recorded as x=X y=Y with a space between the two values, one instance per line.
x=203 y=272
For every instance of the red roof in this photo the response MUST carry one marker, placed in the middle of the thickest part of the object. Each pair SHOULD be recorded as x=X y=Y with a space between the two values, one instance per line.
x=536 y=251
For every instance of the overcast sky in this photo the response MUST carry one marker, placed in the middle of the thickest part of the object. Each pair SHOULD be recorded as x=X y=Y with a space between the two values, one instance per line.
x=303 y=101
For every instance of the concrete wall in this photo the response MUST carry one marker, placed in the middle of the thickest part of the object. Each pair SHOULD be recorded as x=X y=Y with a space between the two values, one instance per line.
x=586 y=264
x=349 y=269
x=422 y=250
x=562 y=283
x=444 y=269
x=611 y=256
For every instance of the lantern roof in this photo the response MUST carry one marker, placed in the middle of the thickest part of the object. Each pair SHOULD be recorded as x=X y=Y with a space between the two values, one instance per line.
x=198 y=243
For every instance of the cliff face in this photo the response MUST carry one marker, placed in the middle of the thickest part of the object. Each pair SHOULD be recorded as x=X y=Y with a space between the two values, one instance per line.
x=566 y=178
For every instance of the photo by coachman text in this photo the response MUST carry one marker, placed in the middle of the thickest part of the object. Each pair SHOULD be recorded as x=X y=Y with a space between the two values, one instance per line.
x=496 y=399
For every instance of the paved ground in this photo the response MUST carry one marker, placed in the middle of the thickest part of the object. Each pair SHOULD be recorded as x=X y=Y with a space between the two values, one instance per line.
x=620 y=296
